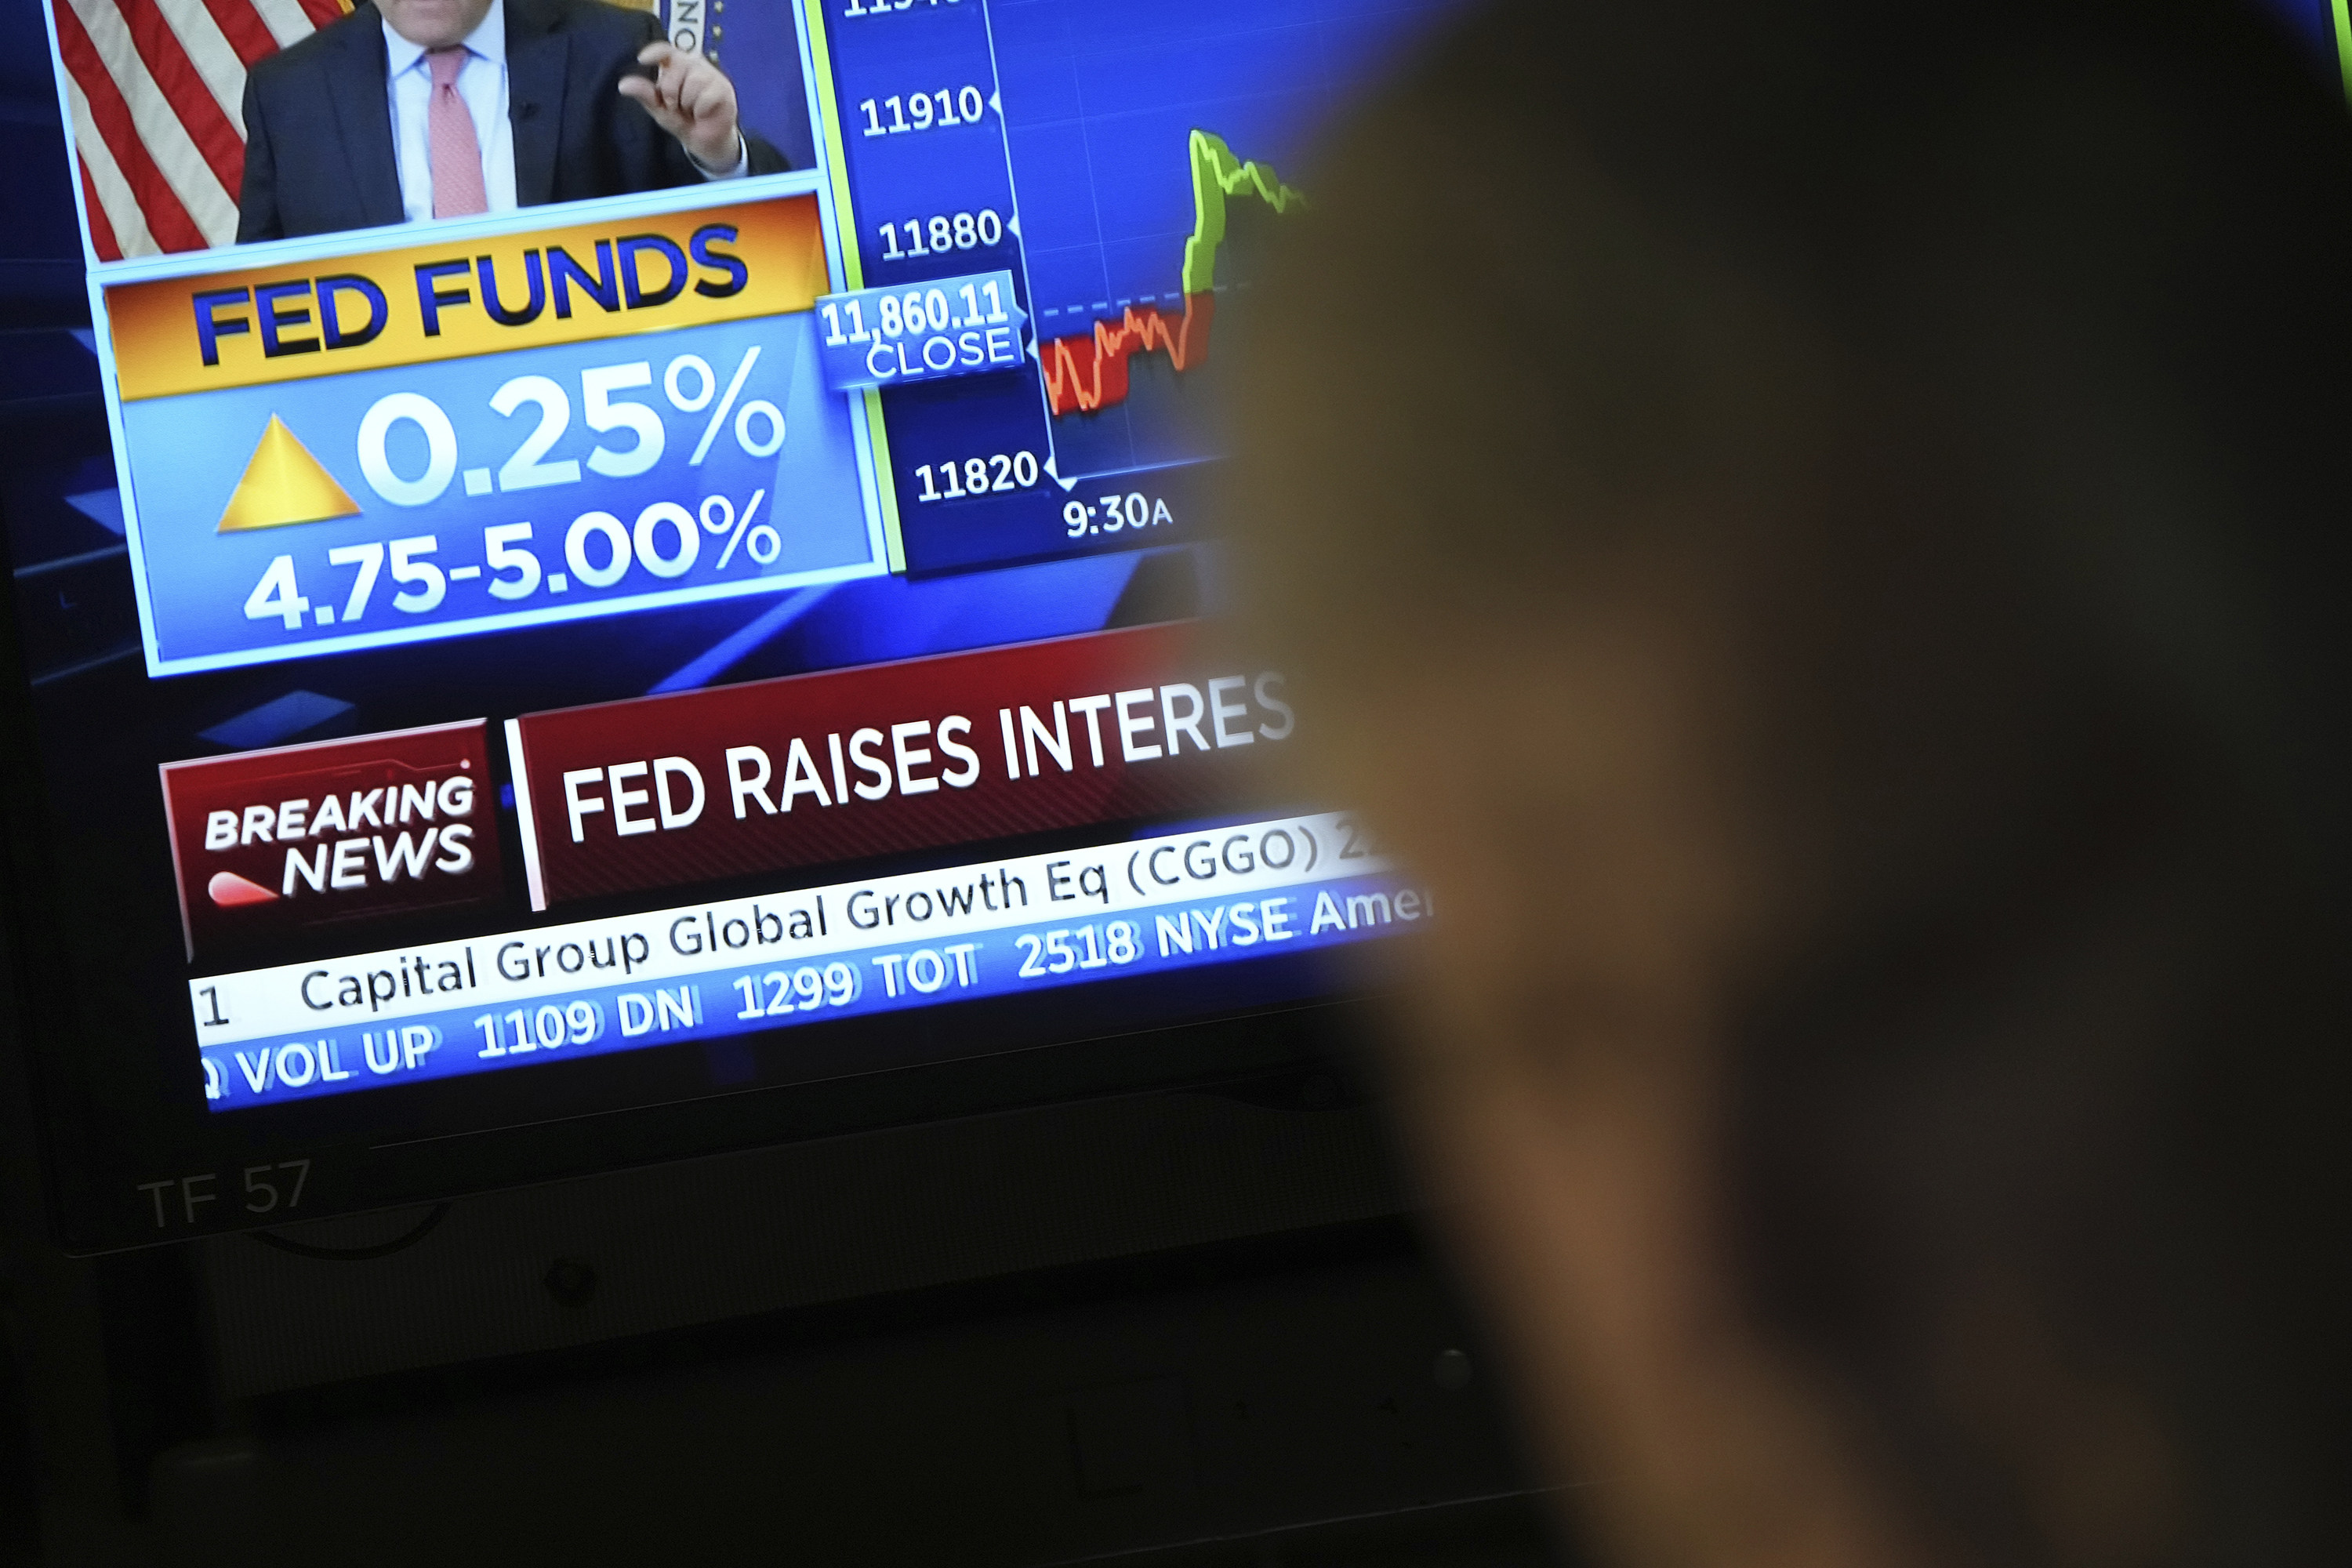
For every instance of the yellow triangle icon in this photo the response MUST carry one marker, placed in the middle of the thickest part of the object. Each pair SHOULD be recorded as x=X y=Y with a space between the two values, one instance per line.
x=284 y=485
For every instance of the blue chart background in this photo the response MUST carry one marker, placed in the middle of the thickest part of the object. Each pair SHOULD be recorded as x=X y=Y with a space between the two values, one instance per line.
x=188 y=452
x=1100 y=97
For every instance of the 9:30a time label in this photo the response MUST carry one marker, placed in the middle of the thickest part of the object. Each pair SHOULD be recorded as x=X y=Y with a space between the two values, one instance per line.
x=1130 y=513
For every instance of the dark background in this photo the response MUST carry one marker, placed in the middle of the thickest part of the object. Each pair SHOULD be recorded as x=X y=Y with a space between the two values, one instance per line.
x=1204 y=1326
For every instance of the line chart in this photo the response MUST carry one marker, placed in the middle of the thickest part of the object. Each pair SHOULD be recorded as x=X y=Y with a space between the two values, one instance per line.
x=1122 y=162
x=1149 y=144
x=1088 y=371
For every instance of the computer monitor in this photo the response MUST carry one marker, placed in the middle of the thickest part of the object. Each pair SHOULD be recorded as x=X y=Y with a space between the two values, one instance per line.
x=682 y=655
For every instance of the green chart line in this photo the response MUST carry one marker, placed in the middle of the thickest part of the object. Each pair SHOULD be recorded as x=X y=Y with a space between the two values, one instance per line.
x=2343 y=44
x=1218 y=174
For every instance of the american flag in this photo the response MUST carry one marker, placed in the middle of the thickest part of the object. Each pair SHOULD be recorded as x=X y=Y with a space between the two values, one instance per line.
x=156 y=89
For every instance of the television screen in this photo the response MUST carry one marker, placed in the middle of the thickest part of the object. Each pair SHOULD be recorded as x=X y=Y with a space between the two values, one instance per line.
x=616 y=590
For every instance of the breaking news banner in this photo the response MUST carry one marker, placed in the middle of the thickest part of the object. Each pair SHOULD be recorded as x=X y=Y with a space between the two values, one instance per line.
x=768 y=775
x=423 y=440
x=266 y=845
x=706 y=971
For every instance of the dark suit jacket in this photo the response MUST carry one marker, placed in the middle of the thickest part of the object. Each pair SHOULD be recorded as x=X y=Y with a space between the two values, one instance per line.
x=318 y=120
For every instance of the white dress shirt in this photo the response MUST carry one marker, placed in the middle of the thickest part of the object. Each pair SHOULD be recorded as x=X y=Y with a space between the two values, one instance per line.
x=482 y=86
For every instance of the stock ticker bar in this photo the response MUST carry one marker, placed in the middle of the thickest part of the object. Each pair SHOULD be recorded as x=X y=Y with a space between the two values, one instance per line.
x=557 y=420
x=706 y=971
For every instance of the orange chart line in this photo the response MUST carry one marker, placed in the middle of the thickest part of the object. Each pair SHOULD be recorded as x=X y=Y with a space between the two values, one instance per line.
x=1088 y=371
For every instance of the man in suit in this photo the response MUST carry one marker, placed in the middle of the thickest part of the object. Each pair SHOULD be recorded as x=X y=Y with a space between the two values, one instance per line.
x=407 y=110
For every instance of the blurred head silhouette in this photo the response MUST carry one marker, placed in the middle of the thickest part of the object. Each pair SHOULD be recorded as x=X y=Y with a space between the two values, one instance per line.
x=1819 y=532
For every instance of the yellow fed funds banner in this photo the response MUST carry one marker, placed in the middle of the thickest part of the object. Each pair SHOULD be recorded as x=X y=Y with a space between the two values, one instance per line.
x=375 y=440
x=413 y=304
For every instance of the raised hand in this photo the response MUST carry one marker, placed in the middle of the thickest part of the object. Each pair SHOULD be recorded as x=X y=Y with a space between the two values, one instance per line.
x=693 y=101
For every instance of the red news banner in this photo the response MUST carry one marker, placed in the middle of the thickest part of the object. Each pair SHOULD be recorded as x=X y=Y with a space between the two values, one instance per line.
x=663 y=791
x=267 y=844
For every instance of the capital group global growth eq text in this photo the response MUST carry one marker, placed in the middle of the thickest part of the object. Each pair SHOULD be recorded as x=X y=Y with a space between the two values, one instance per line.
x=1104 y=152
x=748 y=966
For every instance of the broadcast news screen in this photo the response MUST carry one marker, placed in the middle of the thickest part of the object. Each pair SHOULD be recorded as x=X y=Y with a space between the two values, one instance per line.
x=631 y=581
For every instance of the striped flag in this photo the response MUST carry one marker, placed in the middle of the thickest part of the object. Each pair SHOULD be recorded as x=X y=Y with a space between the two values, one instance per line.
x=156 y=89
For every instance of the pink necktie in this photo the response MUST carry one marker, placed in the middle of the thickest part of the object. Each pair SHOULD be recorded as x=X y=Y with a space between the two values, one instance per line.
x=449 y=134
